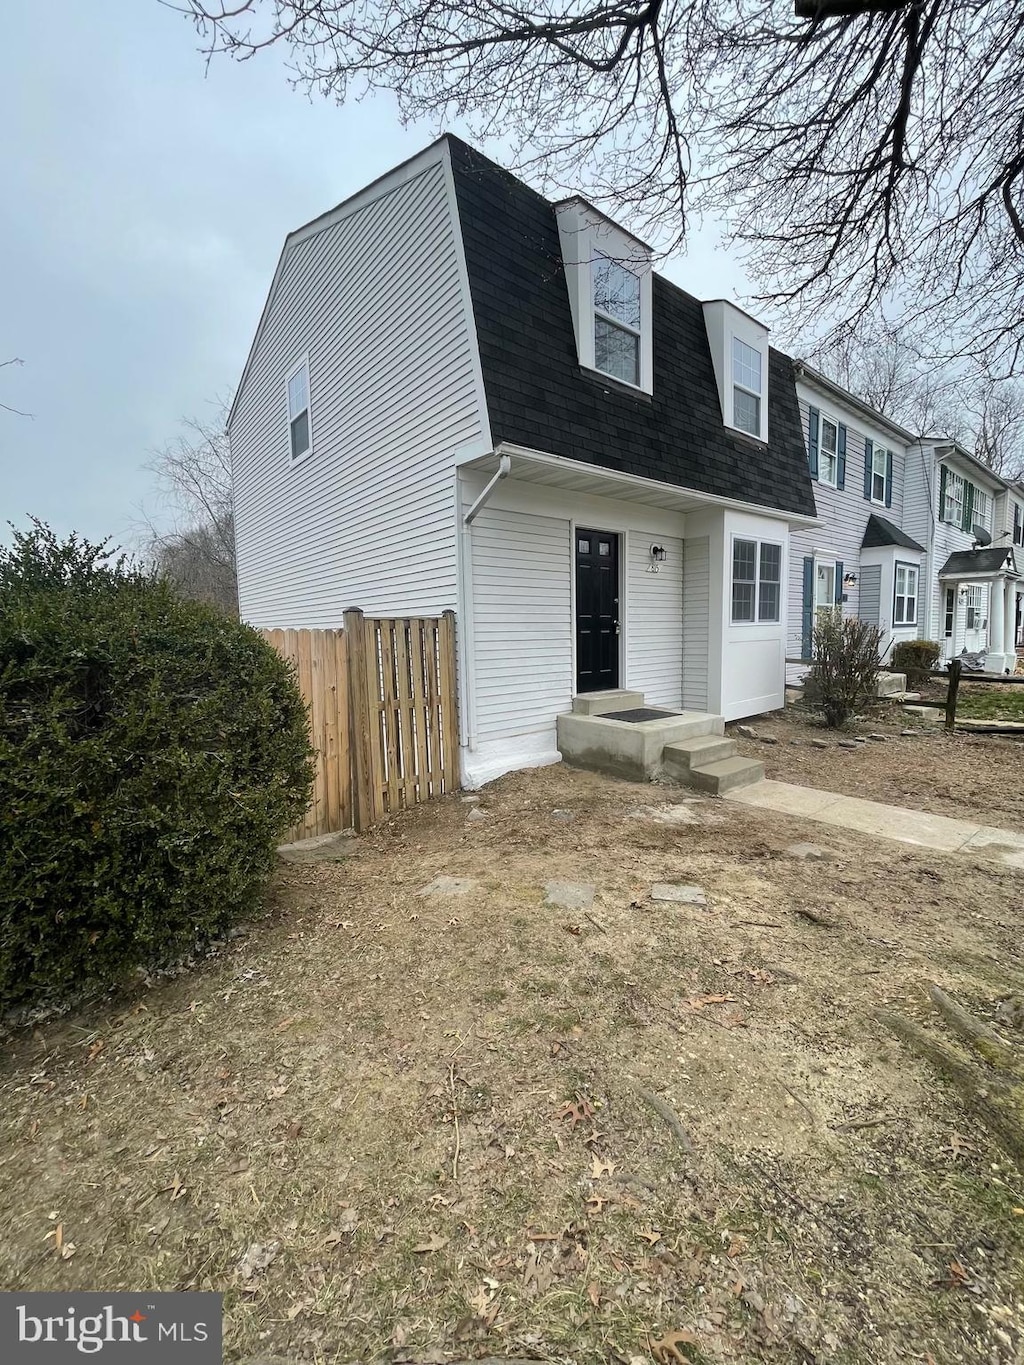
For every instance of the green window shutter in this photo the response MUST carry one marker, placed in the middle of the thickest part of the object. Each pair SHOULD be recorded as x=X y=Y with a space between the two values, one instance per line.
x=807 y=621
x=812 y=442
x=888 y=479
x=943 y=476
x=869 y=455
x=839 y=582
x=841 y=462
x=968 y=506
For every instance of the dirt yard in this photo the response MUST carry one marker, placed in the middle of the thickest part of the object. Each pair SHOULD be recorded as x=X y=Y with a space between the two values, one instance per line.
x=402 y=1127
x=966 y=776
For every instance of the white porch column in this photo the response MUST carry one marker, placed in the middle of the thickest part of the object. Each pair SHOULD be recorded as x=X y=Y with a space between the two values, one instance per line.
x=1009 y=624
x=995 y=626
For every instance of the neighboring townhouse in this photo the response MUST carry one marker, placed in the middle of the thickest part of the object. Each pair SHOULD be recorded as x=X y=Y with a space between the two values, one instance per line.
x=963 y=515
x=463 y=396
x=860 y=555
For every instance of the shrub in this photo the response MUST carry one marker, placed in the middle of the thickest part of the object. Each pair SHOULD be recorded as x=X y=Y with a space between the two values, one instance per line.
x=152 y=752
x=845 y=670
x=916 y=658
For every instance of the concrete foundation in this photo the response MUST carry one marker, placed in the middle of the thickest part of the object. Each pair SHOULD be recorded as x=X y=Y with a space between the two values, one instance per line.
x=625 y=749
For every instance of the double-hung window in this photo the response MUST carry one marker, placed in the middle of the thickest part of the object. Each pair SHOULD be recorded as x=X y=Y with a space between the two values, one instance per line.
x=300 y=432
x=879 y=474
x=904 y=612
x=979 y=512
x=828 y=451
x=756 y=581
x=746 y=388
x=953 y=500
x=616 y=320
x=975 y=607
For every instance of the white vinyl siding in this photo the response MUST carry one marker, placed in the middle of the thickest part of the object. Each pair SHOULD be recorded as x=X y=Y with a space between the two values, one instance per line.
x=377 y=301
x=522 y=622
x=696 y=618
x=871 y=594
x=654 y=621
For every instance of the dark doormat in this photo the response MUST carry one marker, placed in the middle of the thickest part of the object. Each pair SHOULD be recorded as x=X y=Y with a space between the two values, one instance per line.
x=638 y=714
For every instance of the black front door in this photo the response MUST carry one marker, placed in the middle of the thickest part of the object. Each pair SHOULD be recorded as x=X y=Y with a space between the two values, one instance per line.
x=597 y=610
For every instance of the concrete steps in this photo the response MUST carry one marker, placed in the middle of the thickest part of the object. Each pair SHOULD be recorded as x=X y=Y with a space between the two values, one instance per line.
x=726 y=774
x=688 y=746
x=710 y=764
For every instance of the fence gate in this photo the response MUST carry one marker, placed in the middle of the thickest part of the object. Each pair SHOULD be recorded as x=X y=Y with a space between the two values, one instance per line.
x=381 y=696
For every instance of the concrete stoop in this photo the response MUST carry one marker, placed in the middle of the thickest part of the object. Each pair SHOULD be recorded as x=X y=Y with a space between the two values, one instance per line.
x=688 y=746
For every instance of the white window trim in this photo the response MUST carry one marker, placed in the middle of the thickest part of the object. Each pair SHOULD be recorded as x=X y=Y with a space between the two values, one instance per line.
x=877 y=450
x=745 y=388
x=977 y=520
x=757 y=542
x=906 y=596
x=824 y=417
x=296 y=460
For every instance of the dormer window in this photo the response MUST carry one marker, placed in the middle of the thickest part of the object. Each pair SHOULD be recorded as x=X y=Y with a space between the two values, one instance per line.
x=608 y=278
x=616 y=320
x=746 y=378
x=739 y=353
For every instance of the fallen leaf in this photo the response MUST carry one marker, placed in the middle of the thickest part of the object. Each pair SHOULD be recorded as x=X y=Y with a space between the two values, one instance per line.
x=256 y=1258
x=276 y=1092
x=594 y=1293
x=95 y=1050
x=595 y=1204
x=577 y=1110
x=958 y=1145
x=698 y=1002
x=238 y=1166
x=573 y=929
x=649 y=1235
x=433 y=1243
x=666 y=1350
x=599 y=1169
x=293 y=1131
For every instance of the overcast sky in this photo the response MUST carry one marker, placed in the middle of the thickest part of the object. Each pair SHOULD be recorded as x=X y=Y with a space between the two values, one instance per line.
x=144 y=202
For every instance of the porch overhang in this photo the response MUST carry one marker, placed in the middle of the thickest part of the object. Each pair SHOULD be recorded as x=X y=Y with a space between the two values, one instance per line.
x=980 y=566
x=556 y=471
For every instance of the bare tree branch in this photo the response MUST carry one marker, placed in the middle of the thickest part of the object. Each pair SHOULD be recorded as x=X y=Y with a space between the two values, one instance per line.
x=865 y=154
x=15 y=360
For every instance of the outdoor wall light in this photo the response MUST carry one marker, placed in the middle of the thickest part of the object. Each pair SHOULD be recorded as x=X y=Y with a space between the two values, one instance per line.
x=849 y=579
x=658 y=553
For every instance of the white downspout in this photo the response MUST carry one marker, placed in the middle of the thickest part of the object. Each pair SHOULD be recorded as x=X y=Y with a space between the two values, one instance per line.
x=466 y=578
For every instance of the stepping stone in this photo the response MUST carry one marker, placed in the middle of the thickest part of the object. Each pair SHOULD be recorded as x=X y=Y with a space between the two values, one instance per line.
x=847 y=744
x=812 y=852
x=569 y=895
x=667 y=815
x=476 y=815
x=820 y=744
x=879 y=739
x=768 y=739
x=449 y=886
x=909 y=734
x=678 y=894
x=565 y=815
x=747 y=731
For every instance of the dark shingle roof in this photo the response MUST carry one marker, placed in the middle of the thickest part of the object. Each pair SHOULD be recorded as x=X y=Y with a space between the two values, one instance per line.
x=880 y=532
x=974 y=562
x=538 y=397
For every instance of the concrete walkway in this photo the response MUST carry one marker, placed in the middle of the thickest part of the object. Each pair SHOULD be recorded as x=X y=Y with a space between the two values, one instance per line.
x=890 y=822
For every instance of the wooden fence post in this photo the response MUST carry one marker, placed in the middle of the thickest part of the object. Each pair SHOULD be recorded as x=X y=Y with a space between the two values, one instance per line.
x=359 y=720
x=955 y=669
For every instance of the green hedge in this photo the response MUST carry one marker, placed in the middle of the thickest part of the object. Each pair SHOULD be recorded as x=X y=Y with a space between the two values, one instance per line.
x=915 y=658
x=152 y=752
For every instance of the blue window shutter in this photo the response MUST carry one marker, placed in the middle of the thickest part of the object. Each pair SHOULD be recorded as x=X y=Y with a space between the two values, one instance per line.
x=888 y=479
x=841 y=471
x=839 y=581
x=812 y=442
x=808 y=612
x=869 y=454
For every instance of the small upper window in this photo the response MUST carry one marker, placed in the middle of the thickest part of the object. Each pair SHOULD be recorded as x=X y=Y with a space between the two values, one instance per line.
x=746 y=392
x=953 y=502
x=616 y=320
x=979 y=514
x=828 y=452
x=300 y=434
x=879 y=466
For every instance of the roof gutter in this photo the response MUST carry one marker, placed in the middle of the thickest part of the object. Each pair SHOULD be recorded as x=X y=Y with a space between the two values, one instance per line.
x=804 y=371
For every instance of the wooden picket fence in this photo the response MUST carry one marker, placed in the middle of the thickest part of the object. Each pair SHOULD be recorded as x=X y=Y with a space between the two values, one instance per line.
x=383 y=716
